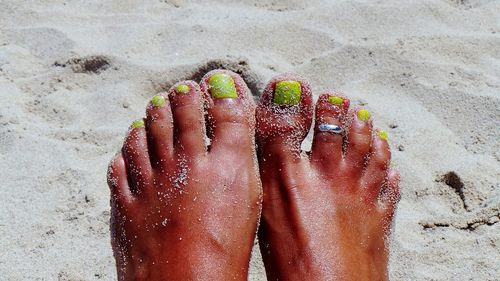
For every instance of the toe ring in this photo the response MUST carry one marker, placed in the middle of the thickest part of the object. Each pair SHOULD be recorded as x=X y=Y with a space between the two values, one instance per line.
x=331 y=128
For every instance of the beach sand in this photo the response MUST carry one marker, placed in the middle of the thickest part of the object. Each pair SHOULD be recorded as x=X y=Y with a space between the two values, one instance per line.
x=74 y=74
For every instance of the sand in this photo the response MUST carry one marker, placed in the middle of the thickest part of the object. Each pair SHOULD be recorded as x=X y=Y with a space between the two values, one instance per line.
x=74 y=74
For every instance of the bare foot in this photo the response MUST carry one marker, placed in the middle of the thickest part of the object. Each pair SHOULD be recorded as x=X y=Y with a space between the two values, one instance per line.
x=182 y=210
x=327 y=215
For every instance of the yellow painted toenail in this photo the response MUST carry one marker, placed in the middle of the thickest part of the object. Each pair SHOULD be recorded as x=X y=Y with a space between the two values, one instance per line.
x=382 y=134
x=287 y=93
x=222 y=86
x=138 y=124
x=182 y=89
x=363 y=115
x=335 y=100
x=158 y=101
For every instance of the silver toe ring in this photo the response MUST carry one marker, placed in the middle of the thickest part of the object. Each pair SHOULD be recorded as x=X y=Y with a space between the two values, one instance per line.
x=330 y=128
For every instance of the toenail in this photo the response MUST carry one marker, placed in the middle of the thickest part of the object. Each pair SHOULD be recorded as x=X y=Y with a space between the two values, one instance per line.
x=287 y=93
x=382 y=134
x=222 y=86
x=363 y=115
x=335 y=100
x=158 y=101
x=182 y=89
x=138 y=124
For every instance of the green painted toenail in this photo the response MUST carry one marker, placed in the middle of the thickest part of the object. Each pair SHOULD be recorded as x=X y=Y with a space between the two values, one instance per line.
x=382 y=134
x=138 y=124
x=364 y=115
x=287 y=93
x=222 y=86
x=158 y=101
x=335 y=100
x=182 y=89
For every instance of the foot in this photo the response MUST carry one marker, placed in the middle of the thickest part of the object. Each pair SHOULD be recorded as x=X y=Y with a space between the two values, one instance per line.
x=182 y=209
x=326 y=215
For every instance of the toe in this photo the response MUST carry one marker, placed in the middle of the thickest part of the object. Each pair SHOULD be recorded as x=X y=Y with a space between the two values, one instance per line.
x=284 y=116
x=160 y=130
x=376 y=170
x=231 y=113
x=135 y=153
x=331 y=109
x=390 y=194
x=121 y=198
x=189 y=123
x=118 y=182
x=358 y=141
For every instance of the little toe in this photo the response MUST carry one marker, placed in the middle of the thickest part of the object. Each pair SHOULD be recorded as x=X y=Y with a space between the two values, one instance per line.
x=284 y=116
x=231 y=113
x=331 y=111
x=189 y=122
x=358 y=141
x=378 y=162
x=390 y=194
x=159 y=130
x=118 y=181
x=136 y=155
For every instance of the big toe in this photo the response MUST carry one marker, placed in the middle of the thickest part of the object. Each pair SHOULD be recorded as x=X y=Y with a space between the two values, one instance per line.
x=284 y=116
x=231 y=114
